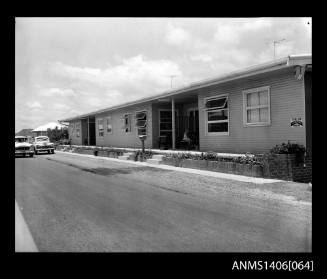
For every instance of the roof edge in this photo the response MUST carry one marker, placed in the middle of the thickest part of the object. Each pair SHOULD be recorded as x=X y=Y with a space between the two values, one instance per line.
x=289 y=61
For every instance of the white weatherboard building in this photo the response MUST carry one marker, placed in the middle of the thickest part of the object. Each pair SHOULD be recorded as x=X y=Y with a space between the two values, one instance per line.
x=249 y=110
x=42 y=130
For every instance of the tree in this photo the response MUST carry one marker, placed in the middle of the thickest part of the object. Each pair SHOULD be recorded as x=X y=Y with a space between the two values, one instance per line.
x=57 y=134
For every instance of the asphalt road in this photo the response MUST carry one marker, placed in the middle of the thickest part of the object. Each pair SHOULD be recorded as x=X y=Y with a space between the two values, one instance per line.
x=75 y=204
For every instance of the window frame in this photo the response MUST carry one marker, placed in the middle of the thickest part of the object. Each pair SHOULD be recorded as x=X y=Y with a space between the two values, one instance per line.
x=206 y=110
x=246 y=108
x=98 y=119
x=73 y=129
x=176 y=128
x=147 y=122
x=107 y=118
x=130 y=125
x=78 y=129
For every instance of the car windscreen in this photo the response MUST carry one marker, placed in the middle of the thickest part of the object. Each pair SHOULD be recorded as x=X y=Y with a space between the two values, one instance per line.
x=20 y=139
x=42 y=139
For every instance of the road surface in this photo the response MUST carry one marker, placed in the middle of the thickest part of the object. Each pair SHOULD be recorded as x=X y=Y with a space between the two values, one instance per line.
x=77 y=204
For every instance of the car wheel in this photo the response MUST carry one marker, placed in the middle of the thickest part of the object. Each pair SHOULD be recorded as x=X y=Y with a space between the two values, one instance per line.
x=35 y=152
x=48 y=151
x=52 y=151
x=32 y=155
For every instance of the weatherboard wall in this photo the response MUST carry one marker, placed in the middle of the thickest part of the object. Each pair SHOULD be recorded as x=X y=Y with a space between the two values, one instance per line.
x=118 y=137
x=286 y=101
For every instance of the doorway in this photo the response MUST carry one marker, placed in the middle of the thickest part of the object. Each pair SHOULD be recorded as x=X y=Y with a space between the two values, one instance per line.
x=193 y=125
x=92 y=137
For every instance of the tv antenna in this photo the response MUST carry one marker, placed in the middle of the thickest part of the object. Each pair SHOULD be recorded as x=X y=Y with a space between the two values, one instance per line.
x=277 y=42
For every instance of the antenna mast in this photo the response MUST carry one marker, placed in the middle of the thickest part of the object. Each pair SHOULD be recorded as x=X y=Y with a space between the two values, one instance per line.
x=276 y=42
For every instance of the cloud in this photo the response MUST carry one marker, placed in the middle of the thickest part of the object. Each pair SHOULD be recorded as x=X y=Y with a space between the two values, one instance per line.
x=49 y=92
x=226 y=34
x=202 y=58
x=33 y=105
x=231 y=32
x=61 y=106
x=135 y=75
x=176 y=35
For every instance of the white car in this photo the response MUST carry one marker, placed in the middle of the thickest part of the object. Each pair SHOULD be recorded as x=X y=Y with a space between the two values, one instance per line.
x=43 y=144
x=23 y=147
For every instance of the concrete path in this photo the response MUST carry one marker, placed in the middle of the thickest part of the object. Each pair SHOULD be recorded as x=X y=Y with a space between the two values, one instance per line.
x=23 y=239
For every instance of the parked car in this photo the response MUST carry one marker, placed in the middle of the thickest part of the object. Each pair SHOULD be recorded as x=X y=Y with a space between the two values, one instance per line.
x=23 y=147
x=43 y=144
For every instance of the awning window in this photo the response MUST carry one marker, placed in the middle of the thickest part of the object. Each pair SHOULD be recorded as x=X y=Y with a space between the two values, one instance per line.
x=216 y=103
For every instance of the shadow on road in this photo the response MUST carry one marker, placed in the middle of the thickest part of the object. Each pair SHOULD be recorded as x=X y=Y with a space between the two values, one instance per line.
x=112 y=171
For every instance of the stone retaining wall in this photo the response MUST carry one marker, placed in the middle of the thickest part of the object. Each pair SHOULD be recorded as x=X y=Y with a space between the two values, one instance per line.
x=288 y=167
x=217 y=166
x=278 y=166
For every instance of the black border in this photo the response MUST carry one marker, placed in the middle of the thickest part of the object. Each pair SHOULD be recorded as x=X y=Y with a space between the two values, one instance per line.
x=214 y=263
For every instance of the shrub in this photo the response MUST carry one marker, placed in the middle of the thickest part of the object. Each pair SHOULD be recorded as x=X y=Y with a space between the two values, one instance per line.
x=212 y=156
x=290 y=148
x=146 y=155
x=252 y=160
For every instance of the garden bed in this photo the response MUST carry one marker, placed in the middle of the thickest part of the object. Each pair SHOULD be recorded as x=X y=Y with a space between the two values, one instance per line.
x=285 y=161
x=217 y=166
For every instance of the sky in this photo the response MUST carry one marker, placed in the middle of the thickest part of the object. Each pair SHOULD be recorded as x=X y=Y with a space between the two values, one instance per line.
x=69 y=66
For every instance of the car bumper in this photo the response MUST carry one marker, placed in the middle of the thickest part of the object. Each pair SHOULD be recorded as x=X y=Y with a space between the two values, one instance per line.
x=44 y=149
x=22 y=152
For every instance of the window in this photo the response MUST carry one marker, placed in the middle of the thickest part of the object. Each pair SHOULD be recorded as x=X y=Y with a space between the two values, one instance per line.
x=127 y=126
x=78 y=129
x=72 y=127
x=100 y=128
x=141 y=123
x=217 y=115
x=165 y=122
x=256 y=106
x=109 y=125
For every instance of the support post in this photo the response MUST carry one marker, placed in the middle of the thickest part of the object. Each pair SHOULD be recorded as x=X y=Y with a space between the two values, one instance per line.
x=173 y=122
x=88 y=131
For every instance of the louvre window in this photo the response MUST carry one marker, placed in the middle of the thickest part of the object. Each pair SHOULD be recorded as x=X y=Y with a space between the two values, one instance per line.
x=216 y=103
x=72 y=129
x=100 y=128
x=165 y=122
x=217 y=115
x=141 y=123
x=78 y=130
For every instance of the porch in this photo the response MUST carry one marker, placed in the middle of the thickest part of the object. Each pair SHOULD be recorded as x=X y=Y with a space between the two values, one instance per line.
x=178 y=131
